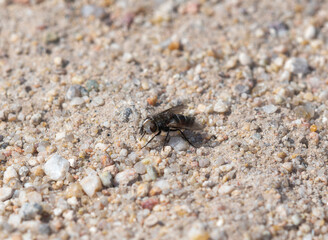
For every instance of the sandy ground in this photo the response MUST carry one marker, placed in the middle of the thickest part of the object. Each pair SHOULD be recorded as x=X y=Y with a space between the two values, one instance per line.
x=77 y=78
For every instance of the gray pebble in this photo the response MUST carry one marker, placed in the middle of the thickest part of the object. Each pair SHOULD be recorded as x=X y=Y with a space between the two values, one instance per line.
x=297 y=66
x=30 y=210
x=98 y=101
x=75 y=91
x=126 y=114
x=45 y=229
x=204 y=162
x=92 y=10
x=92 y=85
x=152 y=173
x=36 y=119
x=140 y=168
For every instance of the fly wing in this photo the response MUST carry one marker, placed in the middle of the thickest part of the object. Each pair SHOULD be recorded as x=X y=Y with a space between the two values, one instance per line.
x=175 y=109
x=184 y=122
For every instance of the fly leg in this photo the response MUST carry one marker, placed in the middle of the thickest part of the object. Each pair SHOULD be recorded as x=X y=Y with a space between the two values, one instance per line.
x=166 y=138
x=185 y=138
x=159 y=132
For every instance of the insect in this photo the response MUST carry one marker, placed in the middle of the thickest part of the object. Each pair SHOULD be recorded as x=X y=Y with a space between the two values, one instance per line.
x=168 y=121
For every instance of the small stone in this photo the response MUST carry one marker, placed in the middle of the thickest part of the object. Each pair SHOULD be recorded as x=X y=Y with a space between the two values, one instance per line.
x=92 y=85
x=75 y=91
x=305 y=111
x=151 y=173
x=126 y=114
x=310 y=32
x=269 y=109
x=45 y=229
x=72 y=201
x=9 y=174
x=197 y=232
x=140 y=168
x=297 y=66
x=143 y=190
x=151 y=221
x=93 y=10
x=77 y=80
x=226 y=168
x=34 y=197
x=74 y=190
x=6 y=193
x=77 y=101
x=288 y=166
x=56 y=167
x=231 y=63
x=98 y=101
x=221 y=107
x=23 y=171
x=226 y=189
x=178 y=144
x=204 y=162
x=51 y=38
x=58 y=61
x=127 y=57
x=124 y=152
x=127 y=177
x=245 y=60
x=36 y=119
x=91 y=184
x=15 y=220
x=30 y=210
x=296 y=219
x=106 y=179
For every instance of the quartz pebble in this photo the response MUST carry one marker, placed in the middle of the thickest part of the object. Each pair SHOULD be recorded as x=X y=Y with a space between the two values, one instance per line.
x=226 y=189
x=56 y=167
x=126 y=177
x=178 y=144
x=91 y=184
x=140 y=168
x=270 y=109
x=6 y=193
x=98 y=101
x=221 y=107
x=297 y=66
x=245 y=59
x=30 y=210
x=9 y=174
x=310 y=32
x=106 y=179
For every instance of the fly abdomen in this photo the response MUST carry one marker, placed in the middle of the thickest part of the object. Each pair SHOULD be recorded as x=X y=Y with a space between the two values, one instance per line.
x=184 y=120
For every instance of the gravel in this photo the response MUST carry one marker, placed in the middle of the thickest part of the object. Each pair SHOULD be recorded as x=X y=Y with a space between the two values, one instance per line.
x=78 y=78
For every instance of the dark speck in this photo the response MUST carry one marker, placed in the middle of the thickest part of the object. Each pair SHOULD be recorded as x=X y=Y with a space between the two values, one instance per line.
x=126 y=114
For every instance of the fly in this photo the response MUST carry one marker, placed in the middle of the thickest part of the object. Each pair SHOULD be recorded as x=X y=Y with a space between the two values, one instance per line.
x=168 y=121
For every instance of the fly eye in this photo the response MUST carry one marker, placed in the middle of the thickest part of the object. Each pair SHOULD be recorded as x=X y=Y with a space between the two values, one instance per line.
x=150 y=127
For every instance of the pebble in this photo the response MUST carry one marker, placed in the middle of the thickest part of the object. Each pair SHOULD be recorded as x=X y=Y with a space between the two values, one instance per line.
x=270 y=108
x=126 y=177
x=92 y=85
x=245 y=59
x=296 y=219
x=106 y=179
x=226 y=189
x=198 y=232
x=143 y=189
x=226 y=168
x=6 y=193
x=310 y=32
x=77 y=101
x=30 y=210
x=297 y=66
x=98 y=101
x=178 y=144
x=305 y=111
x=36 y=119
x=74 y=190
x=151 y=173
x=93 y=10
x=127 y=57
x=9 y=174
x=204 y=162
x=151 y=221
x=221 y=107
x=126 y=114
x=75 y=91
x=140 y=168
x=91 y=184
x=77 y=80
x=56 y=167
x=288 y=166
x=58 y=61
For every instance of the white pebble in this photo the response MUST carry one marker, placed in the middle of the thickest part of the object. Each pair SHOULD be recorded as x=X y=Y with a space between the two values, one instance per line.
x=178 y=144
x=98 y=101
x=91 y=184
x=77 y=101
x=270 y=108
x=221 y=107
x=6 y=193
x=56 y=167
x=297 y=66
x=72 y=201
x=58 y=61
x=9 y=174
x=310 y=32
x=244 y=59
x=226 y=168
x=127 y=177
x=127 y=57
x=226 y=189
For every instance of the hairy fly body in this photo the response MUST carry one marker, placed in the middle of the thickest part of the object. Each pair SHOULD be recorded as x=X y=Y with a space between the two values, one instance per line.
x=168 y=121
